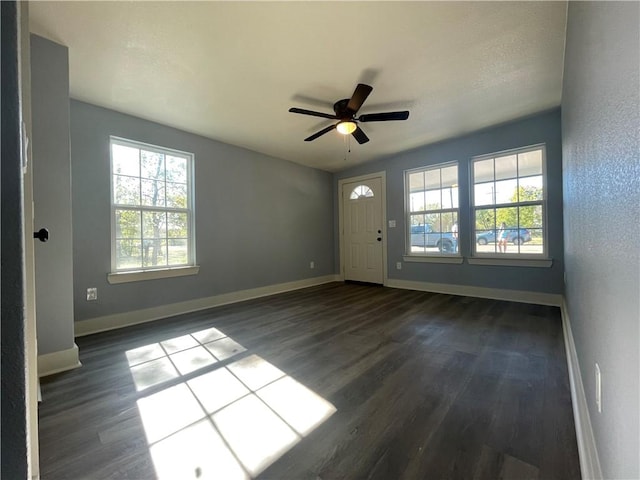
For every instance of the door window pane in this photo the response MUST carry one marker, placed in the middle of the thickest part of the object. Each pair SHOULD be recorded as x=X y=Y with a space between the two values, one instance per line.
x=361 y=191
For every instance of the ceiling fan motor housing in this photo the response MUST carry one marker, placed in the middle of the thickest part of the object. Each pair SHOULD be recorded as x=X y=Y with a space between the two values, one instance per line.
x=340 y=107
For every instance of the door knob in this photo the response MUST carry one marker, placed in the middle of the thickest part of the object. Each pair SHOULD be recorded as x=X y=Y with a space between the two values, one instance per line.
x=42 y=234
x=379 y=239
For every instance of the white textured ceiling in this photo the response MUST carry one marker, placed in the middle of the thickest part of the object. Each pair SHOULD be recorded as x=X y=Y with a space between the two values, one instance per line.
x=231 y=70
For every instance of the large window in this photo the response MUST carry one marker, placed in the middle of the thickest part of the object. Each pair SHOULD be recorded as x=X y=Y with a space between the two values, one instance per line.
x=432 y=209
x=508 y=202
x=151 y=207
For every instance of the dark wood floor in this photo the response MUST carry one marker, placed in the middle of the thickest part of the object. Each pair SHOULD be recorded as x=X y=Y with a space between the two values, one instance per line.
x=405 y=385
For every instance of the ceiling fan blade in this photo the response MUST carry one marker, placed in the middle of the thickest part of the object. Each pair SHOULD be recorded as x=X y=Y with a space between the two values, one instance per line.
x=384 y=117
x=312 y=113
x=360 y=136
x=320 y=133
x=360 y=94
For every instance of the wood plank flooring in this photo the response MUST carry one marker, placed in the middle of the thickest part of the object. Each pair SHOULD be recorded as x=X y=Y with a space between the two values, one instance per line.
x=405 y=385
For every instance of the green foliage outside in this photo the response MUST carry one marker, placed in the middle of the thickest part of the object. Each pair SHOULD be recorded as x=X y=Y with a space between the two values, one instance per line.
x=148 y=237
x=529 y=216
x=488 y=219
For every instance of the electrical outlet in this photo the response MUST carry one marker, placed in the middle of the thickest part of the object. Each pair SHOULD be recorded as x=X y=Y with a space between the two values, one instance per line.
x=312 y=264
x=92 y=294
x=598 y=389
x=398 y=265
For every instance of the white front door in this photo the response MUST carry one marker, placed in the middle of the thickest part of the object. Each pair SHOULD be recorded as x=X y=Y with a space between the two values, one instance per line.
x=363 y=240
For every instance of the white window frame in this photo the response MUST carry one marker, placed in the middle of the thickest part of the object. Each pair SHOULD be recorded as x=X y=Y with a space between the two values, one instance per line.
x=430 y=257
x=511 y=258
x=123 y=275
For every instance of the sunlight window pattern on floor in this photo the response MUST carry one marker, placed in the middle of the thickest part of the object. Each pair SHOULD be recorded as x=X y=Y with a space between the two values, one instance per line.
x=229 y=422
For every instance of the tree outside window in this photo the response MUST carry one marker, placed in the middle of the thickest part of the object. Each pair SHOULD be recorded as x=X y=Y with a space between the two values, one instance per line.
x=151 y=205
x=509 y=189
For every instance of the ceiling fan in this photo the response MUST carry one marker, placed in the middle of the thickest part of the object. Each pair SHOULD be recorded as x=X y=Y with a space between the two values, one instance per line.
x=345 y=111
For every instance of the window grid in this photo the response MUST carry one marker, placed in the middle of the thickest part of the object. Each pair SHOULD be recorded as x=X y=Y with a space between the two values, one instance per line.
x=158 y=236
x=432 y=229
x=526 y=233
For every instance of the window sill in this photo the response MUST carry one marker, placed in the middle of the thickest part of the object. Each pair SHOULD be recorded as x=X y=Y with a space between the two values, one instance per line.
x=139 y=275
x=424 y=259
x=511 y=262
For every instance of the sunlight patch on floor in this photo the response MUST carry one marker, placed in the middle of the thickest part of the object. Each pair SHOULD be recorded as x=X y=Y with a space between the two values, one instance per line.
x=256 y=434
x=255 y=372
x=195 y=452
x=153 y=373
x=301 y=408
x=224 y=348
x=227 y=389
x=230 y=422
x=191 y=360
x=157 y=363
x=144 y=354
x=168 y=411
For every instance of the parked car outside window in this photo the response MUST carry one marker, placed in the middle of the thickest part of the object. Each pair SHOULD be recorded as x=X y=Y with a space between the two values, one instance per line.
x=517 y=236
x=424 y=236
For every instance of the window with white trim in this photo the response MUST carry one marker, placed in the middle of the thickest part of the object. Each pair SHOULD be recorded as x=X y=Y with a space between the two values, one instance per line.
x=151 y=207
x=509 y=203
x=431 y=196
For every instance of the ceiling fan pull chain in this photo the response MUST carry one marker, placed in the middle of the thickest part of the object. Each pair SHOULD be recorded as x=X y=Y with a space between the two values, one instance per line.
x=344 y=140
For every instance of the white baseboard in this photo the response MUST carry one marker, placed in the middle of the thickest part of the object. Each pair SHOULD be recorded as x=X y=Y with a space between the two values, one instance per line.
x=57 y=362
x=480 y=292
x=589 y=460
x=111 y=322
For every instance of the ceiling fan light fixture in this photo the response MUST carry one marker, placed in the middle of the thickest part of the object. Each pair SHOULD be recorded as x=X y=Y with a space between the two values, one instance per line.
x=346 y=127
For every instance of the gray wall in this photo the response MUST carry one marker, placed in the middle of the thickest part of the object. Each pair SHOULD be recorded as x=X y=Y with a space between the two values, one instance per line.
x=13 y=453
x=259 y=220
x=600 y=119
x=52 y=194
x=542 y=128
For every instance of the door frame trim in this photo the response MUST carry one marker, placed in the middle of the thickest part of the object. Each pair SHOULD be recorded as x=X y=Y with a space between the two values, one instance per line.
x=383 y=192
